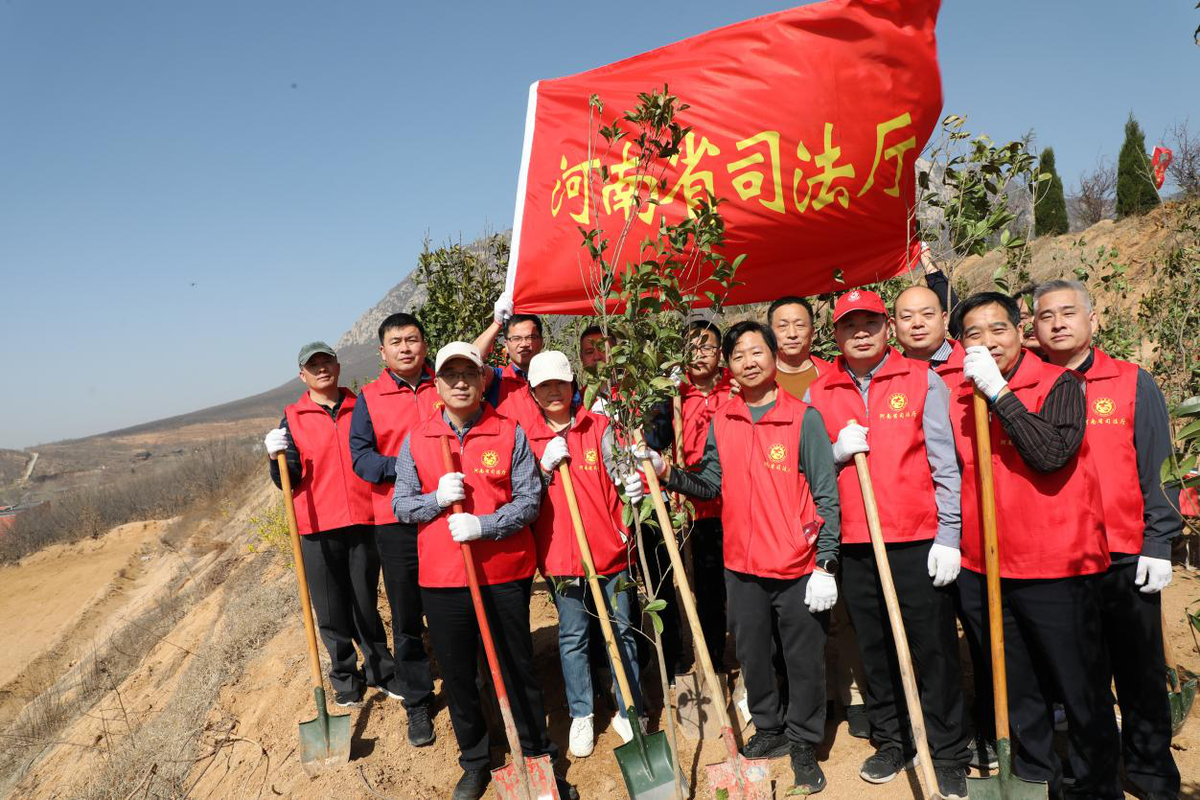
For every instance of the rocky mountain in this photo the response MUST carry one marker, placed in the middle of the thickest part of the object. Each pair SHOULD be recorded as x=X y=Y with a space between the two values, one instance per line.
x=404 y=296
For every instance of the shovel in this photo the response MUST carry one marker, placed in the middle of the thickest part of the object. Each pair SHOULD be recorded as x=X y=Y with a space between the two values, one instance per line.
x=527 y=778
x=325 y=740
x=1181 y=695
x=737 y=777
x=645 y=762
x=912 y=699
x=1004 y=785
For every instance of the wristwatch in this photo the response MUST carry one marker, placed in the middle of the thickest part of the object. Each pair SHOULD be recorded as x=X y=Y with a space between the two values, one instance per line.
x=829 y=565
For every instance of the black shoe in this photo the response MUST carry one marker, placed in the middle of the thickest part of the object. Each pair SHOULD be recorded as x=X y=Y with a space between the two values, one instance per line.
x=884 y=765
x=565 y=790
x=983 y=754
x=809 y=777
x=349 y=699
x=856 y=721
x=952 y=782
x=765 y=744
x=420 y=729
x=472 y=784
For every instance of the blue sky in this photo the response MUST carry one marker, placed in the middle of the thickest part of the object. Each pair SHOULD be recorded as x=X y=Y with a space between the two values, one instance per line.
x=188 y=191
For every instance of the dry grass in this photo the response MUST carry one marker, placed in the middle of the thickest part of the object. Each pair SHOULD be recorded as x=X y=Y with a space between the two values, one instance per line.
x=198 y=479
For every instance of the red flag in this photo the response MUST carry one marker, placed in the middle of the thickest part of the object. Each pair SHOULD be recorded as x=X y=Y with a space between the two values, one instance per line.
x=1160 y=161
x=806 y=122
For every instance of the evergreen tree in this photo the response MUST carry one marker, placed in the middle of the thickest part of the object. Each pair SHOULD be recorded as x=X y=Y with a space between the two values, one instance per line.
x=1050 y=210
x=1135 y=187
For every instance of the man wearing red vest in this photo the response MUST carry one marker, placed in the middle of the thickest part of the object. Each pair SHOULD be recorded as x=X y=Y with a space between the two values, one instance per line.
x=791 y=320
x=920 y=323
x=582 y=439
x=389 y=407
x=335 y=520
x=705 y=390
x=1127 y=422
x=507 y=388
x=1051 y=543
x=771 y=452
x=910 y=451
x=499 y=488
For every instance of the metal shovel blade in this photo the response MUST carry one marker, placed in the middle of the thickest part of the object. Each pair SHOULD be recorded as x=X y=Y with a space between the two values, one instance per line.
x=1004 y=785
x=542 y=784
x=1181 y=696
x=740 y=779
x=325 y=740
x=645 y=763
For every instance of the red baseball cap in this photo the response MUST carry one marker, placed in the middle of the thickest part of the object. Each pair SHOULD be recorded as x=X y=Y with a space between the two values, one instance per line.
x=858 y=300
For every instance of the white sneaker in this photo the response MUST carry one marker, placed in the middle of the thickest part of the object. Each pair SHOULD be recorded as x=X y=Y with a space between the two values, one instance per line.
x=582 y=740
x=621 y=725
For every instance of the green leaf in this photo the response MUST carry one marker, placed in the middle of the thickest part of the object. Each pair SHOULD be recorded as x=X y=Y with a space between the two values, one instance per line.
x=657 y=604
x=1189 y=431
x=1187 y=408
x=656 y=621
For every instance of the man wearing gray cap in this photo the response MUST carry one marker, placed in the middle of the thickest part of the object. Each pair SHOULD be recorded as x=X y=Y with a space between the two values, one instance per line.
x=336 y=524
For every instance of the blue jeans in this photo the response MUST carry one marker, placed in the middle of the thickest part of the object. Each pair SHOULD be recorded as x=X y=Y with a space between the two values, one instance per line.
x=575 y=608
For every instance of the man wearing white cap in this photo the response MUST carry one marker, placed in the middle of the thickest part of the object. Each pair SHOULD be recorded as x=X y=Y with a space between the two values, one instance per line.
x=568 y=433
x=498 y=487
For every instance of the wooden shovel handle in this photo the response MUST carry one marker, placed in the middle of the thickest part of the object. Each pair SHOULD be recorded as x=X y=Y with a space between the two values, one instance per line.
x=912 y=697
x=585 y=552
x=991 y=561
x=289 y=507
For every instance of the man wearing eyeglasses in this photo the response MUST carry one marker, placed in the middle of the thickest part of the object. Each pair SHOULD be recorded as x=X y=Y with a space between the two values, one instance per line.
x=507 y=388
x=499 y=487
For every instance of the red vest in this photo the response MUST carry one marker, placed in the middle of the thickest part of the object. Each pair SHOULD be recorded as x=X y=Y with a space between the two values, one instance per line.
x=1111 y=389
x=599 y=504
x=1048 y=525
x=764 y=528
x=395 y=410
x=899 y=463
x=485 y=457
x=952 y=370
x=329 y=494
x=697 y=410
x=514 y=399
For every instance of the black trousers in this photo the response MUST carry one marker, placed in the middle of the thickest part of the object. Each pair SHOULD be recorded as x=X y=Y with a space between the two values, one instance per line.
x=708 y=565
x=1053 y=649
x=752 y=601
x=659 y=562
x=343 y=582
x=397 y=546
x=929 y=624
x=454 y=633
x=1133 y=635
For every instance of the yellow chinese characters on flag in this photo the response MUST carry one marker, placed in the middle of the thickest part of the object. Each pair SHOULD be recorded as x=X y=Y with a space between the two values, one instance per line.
x=807 y=123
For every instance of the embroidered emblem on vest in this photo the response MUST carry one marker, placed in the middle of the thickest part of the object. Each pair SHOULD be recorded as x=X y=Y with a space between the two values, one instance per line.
x=898 y=401
x=590 y=455
x=777 y=452
x=1103 y=406
x=489 y=458
x=437 y=405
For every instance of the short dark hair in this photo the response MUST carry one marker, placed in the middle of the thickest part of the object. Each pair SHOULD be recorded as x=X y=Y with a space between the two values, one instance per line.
x=518 y=318
x=789 y=300
x=741 y=329
x=400 y=320
x=700 y=325
x=985 y=299
x=590 y=330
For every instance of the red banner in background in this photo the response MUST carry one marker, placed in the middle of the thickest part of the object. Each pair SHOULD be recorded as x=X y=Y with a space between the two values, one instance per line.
x=806 y=122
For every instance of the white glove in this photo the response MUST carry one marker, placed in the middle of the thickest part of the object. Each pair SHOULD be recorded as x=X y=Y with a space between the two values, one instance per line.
x=635 y=490
x=980 y=367
x=851 y=439
x=555 y=454
x=821 y=592
x=1153 y=574
x=276 y=442
x=643 y=453
x=944 y=564
x=450 y=489
x=503 y=309
x=465 y=527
